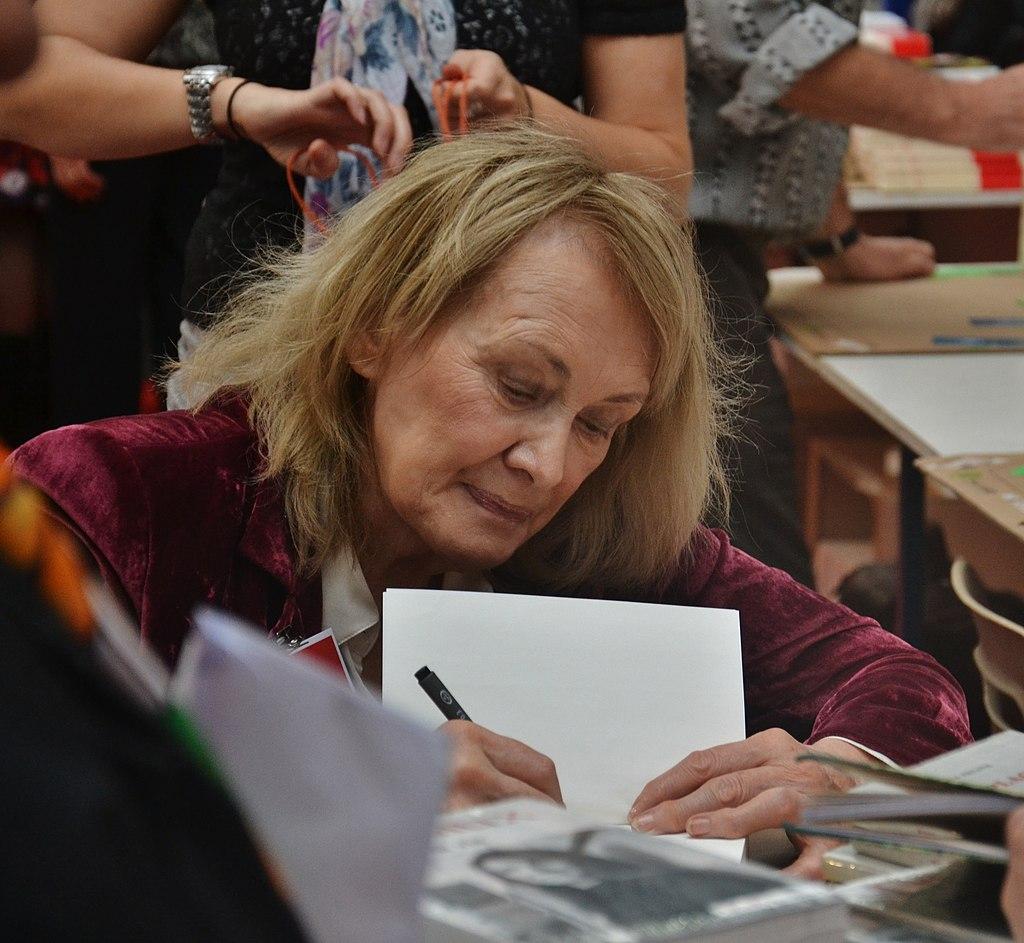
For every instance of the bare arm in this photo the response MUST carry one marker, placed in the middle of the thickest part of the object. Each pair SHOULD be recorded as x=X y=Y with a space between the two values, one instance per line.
x=84 y=97
x=635 y=104
x=862 y=86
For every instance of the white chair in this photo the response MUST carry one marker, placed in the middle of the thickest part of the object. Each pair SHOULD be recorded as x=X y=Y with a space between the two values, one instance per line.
x=999 y=653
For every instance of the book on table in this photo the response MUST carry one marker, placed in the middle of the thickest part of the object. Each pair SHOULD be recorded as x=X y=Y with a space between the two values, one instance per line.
x=531 y=872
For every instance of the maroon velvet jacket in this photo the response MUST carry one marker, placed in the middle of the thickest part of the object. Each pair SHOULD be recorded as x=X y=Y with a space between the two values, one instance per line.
x=170 y=507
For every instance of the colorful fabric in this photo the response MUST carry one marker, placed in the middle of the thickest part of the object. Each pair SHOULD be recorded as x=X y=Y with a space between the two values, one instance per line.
x=382 y=45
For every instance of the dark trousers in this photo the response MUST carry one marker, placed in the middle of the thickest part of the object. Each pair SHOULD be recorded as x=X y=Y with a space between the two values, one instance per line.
x=116 y=275
x=763 y=519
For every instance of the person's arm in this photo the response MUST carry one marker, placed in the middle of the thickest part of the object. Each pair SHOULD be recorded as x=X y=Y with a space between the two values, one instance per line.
x=870 y=258
x=84 y=98
x=634 y=98
x=862 y=86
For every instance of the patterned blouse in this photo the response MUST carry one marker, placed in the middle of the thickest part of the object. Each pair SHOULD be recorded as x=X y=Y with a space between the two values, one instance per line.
x=271 y=41
x=760 y=168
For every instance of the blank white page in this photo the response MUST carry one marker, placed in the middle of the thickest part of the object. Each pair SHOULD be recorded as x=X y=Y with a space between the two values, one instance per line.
x=614 y=692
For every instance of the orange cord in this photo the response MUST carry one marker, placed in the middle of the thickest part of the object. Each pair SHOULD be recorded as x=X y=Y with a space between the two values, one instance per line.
x=307 y=210
x=442 y=92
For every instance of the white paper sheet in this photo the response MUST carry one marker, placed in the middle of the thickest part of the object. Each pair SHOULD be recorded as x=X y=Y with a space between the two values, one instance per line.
x=615 y=693
x=341 y=791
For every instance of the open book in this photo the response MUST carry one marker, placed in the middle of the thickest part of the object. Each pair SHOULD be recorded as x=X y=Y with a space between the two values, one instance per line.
x=615 y=693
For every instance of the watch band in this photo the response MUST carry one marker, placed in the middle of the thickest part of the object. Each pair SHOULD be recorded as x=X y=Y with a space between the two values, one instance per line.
x=829 y=248
x=199 y=82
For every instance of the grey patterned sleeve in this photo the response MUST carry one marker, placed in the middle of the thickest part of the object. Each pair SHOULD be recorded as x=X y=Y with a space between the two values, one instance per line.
x=791 y=47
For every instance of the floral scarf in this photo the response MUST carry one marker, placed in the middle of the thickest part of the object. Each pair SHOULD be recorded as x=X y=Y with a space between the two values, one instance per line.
x=383 y=45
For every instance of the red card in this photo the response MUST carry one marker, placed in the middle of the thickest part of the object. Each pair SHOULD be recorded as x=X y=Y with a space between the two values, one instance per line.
x=323 y=648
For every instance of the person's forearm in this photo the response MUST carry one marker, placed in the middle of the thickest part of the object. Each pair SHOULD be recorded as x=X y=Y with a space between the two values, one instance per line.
x=82 y=103
x=663 y=157
x=862 y=86
x=839 y=217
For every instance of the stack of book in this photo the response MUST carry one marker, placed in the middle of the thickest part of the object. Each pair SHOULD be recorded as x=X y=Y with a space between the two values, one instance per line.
x=883 y=161
x=927 y=845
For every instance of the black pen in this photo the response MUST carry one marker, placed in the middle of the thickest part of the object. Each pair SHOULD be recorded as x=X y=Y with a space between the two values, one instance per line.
x=440 y=695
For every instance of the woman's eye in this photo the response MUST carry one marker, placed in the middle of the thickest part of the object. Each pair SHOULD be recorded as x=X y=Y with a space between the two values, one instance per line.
x=519 y=393
x=594 y=430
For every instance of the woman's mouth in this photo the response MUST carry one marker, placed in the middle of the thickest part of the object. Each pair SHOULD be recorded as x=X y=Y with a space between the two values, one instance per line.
x=491 y=502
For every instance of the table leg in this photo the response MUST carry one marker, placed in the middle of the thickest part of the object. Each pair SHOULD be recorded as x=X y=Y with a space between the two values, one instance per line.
x=912 y=570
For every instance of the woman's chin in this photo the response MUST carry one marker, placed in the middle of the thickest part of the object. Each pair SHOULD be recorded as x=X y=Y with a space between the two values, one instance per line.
x=464 y=554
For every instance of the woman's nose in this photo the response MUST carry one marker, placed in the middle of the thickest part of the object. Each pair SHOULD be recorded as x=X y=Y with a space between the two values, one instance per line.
x=542 y=453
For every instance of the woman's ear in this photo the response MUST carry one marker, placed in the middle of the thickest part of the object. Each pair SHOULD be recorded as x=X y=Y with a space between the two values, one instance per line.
x=364 y=357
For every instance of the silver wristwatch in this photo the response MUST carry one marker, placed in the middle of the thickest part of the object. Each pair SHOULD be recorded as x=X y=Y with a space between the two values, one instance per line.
x=199 y=82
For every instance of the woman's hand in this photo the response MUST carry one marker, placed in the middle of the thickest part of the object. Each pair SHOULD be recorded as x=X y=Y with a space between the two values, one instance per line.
x=1013 y=889
x=487 y=767
x=738 y=788
x=316 y=123
x=491 y=90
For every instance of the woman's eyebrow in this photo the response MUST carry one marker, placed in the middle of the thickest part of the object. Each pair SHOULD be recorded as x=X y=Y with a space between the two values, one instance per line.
x=562 y=369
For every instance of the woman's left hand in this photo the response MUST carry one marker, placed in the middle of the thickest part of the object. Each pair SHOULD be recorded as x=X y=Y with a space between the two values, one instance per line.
x=491 y=90
x=732 y=790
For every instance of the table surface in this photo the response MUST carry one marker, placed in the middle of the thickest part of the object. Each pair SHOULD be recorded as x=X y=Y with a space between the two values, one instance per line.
x=935 y=404
x=865 y=199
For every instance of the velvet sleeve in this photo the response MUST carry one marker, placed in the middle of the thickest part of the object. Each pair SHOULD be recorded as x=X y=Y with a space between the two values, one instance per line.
x=816 y=669
x=88 y=475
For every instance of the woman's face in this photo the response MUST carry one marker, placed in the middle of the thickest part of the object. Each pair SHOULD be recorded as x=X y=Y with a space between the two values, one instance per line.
x=485 y=429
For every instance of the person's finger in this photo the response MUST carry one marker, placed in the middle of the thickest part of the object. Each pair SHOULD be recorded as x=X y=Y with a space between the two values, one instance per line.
x=727 y=791
x=810 y=862
x=771 y=808
x=516 y=759
x=401 y=143
x=352 y=96
x=702 y=765
x=383 y=123
x=485 y=784
x=318 y=160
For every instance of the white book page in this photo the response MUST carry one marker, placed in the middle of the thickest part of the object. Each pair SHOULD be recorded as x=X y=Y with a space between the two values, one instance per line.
x=615 y=693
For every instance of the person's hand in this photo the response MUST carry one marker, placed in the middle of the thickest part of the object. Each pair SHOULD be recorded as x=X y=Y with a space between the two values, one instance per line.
x=316 y=123
x=732 y=790
x=880 y=259
x=491 y=90
x=1013 y=889
x=486 y=767
x=76 y=179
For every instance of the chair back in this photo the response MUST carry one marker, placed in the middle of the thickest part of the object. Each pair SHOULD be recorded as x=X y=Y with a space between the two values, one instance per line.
x=999 y=653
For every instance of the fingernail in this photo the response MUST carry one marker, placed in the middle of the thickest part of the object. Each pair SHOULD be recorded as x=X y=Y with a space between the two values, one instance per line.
x=698 y=825
x=644 y=823
x=632 y=813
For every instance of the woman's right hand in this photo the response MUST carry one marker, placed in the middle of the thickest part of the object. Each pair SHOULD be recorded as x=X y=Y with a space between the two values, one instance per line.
x=486 y=767
x=316 y=123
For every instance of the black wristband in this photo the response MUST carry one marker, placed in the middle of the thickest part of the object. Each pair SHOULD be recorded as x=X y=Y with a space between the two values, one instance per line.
x=830 y=248
x=232 y=127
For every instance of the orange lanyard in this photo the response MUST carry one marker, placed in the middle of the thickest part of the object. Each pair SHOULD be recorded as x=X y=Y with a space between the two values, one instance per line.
x=442 y=92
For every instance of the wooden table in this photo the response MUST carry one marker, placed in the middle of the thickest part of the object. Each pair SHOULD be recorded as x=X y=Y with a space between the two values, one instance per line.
x=933 y=404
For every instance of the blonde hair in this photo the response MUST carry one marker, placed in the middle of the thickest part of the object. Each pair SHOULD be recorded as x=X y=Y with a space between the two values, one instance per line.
x=410 y=254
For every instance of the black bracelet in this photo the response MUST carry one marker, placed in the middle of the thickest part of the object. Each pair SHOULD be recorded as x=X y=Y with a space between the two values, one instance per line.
x=830 y=248
x=232 y=127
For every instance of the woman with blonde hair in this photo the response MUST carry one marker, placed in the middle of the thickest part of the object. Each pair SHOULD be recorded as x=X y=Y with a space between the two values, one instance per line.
x=495 y=373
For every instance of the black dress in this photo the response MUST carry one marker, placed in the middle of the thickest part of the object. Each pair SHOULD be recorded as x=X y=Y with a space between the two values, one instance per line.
x=272 y=41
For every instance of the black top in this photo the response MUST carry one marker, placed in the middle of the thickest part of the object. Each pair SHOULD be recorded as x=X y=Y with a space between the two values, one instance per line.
x=272 y=42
